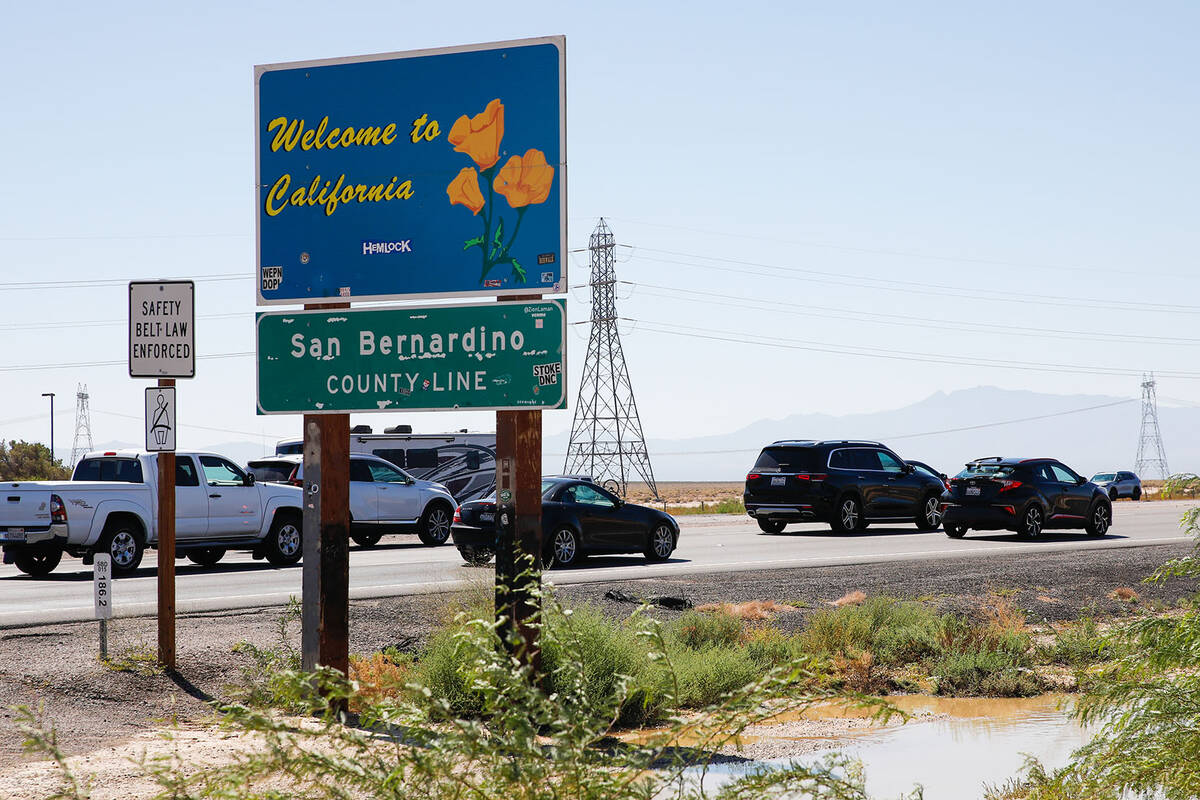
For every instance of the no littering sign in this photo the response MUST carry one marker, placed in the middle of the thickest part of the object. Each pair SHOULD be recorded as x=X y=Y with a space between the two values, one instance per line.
x=162 y=335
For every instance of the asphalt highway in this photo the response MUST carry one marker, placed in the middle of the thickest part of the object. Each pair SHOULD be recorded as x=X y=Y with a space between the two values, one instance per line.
x=400 y=565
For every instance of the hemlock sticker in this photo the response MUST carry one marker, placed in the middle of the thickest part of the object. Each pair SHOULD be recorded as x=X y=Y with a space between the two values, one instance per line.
x=547 y=374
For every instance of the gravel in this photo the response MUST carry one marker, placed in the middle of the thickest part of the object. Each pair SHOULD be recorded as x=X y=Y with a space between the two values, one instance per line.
x=92 y=705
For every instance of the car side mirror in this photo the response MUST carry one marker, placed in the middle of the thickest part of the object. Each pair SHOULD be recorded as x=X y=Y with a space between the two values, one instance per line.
x=908 y=469
x=249 y=479
x=1080 y=481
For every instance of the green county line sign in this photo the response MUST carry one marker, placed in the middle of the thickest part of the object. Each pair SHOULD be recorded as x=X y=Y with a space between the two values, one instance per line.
x=497 y=356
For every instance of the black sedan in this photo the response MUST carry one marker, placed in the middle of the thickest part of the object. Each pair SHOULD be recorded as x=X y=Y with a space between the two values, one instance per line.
x=1025 y=495
x=579 y=518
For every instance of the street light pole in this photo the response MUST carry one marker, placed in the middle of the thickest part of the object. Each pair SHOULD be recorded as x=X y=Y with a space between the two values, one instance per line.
x=51 y=396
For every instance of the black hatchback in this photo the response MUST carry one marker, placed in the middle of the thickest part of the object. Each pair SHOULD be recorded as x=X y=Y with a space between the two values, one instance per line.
x=1025 y=495
x=844 y=483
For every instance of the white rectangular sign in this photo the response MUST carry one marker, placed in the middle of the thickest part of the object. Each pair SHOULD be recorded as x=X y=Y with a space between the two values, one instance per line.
x=160 y=419
x=102 y=585
x=162 y=335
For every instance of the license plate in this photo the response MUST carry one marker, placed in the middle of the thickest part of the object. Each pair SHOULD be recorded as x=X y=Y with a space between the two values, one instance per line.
x=17 y=534
x=972 y=491
x=487 y=516
x=778 y=480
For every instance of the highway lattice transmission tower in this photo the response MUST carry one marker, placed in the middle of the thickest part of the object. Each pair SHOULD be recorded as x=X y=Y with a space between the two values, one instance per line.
x=1150 y=454
x=606 y=438
x=83 y=426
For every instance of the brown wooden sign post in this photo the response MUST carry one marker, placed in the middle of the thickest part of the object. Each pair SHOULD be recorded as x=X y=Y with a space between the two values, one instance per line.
x=519 y=555
x=325 y=608
x=166 y=552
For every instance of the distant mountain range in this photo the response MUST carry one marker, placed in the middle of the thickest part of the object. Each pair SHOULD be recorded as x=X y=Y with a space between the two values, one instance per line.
x=1088 y=432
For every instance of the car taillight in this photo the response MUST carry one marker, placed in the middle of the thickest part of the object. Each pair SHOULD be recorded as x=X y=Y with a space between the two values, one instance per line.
x=458 y=514
x=1012 y=511
x=753 y=476
x=810 y=476
x=1006 y=486
x=58 y=511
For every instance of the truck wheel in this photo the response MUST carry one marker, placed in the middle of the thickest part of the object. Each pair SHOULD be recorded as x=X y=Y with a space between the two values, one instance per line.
x=476 y=556
x=366 y=539
x=122 y=540
x=771 y=525
x=434 y=528
x=38 y=561
x=206 y=556
x=283 y=545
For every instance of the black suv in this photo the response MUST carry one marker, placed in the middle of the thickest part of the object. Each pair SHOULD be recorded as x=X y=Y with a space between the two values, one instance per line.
x=844 y=483
x=1025 y=495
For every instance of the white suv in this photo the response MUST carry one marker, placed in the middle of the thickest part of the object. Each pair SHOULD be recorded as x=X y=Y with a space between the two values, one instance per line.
x=383 y=498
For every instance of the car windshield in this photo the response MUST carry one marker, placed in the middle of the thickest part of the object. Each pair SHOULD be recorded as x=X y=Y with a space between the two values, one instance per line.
x=788 y=459
x=987 y=470
x=271 y=471
x=1104 y=476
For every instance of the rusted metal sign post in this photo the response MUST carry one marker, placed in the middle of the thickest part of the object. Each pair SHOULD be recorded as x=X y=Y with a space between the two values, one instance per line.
x=162 y=344
x=519 y=531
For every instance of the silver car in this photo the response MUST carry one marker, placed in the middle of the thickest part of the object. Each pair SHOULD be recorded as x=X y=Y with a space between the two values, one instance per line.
x=1119 y=484
x=383 y=498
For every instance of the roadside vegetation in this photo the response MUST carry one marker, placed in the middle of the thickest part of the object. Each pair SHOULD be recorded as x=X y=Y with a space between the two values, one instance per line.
x=1143 y=699
x=30 y=461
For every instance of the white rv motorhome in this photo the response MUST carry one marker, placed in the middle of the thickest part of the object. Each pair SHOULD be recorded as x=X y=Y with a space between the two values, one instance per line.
x=465 y=463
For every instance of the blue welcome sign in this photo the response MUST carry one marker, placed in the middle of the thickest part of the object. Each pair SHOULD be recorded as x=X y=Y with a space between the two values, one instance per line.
x=432 y=173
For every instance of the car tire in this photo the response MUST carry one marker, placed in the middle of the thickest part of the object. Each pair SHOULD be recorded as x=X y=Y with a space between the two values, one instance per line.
x=771 y=525
x=848 y=515
x=931 y=513
x=434 y=528
x=660 y=543
x=954 y=531
x=1099 y=519
x=563 y=549
x=1032 y=521
x=1137 y=494
x=475 y=556
x=285 y=544
x=122 y=540
x=1112 y=493
x=206 y=556
x=365 y=540
x=38 y=562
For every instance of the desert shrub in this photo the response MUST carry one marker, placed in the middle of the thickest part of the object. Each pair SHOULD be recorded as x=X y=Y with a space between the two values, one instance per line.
x=894 y=631
x=1078 y=645
x=699 y=630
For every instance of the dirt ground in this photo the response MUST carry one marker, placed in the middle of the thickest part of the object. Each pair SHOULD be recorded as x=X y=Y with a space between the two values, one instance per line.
x=682 y=493
x=94 y=707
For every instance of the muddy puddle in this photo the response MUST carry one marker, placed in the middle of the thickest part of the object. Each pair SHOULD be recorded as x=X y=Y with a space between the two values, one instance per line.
x=952 y=747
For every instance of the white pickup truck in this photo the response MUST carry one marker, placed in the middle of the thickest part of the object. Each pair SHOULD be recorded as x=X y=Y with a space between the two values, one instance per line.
x=111 y=505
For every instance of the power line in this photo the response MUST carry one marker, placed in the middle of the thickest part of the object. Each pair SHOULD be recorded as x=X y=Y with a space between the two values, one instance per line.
x=83 y=364
x=99 y=323
x=184 y=425
x=916 y=287
x=88 y=237
x=908 y=321
x=917 y=435
x=897 y=355
x=900 y=253
x=94 y=284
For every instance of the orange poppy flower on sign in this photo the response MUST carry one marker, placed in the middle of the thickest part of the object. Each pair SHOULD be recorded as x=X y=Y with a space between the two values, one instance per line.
x=464 y=190
x=525 y=180
x=479 y=136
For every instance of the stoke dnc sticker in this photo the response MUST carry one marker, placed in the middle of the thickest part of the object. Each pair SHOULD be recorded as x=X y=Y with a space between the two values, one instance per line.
x=498 y=356
x=430 y=173
x=162 y=329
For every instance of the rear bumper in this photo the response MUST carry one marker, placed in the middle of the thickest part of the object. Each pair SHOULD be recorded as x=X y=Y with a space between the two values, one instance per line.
x=470 y=536
x=984 y=518
x=793 y=512
x=53 y=534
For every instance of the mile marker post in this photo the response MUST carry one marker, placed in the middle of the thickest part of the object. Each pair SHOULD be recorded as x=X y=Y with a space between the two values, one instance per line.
x=102 y=592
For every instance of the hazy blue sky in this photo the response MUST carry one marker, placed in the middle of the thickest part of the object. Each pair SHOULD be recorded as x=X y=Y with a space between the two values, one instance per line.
x=1009 y=181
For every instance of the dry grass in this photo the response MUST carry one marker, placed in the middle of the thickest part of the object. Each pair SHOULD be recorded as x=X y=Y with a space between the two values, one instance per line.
x=379 y=677
x=1124 y=594
x=854 y=598
x=752 y=611
x=1002 y=614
